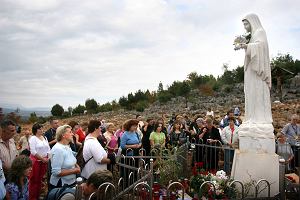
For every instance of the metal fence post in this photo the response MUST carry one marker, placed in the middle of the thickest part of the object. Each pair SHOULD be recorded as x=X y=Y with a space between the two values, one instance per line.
x=282 y=179
x=151 y=177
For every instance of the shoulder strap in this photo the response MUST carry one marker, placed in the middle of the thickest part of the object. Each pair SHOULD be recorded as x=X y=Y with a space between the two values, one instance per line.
x=85 y=162
x=64 y=190
x=137 y=135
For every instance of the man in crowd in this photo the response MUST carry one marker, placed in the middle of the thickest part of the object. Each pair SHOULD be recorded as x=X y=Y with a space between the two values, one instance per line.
x=292 y=130
x=292 y=133
x=8 y=150
x=225 y=121
x=91 y=185
x=50 y=133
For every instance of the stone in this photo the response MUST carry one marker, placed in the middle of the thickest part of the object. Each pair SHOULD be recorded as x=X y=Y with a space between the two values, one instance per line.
x=252 y=166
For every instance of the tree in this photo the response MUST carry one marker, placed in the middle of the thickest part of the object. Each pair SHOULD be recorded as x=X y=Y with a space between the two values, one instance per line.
x=184 y=90
x=57 y=110
x=79 y=109
x=160 y=87
x=141 y=105
x=164 y=96
x=70 y=110
x=33 y=117
x=115 y=105
x=239 y=74
x=123 y=101
x=91 y=105
x=105 y=107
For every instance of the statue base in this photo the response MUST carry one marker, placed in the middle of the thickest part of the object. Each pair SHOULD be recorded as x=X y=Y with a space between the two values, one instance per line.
x=256 y=158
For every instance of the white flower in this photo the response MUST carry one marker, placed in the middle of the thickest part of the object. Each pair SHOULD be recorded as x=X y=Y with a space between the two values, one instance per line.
x=221 y=175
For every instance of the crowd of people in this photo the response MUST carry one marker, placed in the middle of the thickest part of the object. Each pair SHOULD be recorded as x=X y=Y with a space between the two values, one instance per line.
x=24 y=164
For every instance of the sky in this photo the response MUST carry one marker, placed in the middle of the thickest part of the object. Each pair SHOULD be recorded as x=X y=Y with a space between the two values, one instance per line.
x=66 y=51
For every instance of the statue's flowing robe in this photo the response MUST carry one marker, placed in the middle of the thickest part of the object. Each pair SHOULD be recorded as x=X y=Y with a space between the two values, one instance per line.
x=257 y=77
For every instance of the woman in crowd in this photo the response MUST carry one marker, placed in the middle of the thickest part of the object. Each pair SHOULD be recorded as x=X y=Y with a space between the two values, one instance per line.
x=229 y=138
x=24 y=141
x=147 y=129
x=74 y=143
x=93 y=153
x=130 y=145
x=164 y=130
x=39 y=154
x=119 y=134
x=112 y=140
x=211 y=136
x=195 y=128
x=63 y=161
x=157 y=137
x=178 y=136
x=130 y=139
x=17 y=186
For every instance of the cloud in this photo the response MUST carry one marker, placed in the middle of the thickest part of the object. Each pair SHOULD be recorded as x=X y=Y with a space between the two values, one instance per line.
x=67 y=51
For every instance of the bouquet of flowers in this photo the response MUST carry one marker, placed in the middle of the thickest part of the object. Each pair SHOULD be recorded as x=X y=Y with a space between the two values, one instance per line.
x=220 y=180
x=241 y=39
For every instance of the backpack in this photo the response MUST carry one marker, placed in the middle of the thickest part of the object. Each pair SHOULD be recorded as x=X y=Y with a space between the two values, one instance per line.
x=79 y=157
x=58 y=193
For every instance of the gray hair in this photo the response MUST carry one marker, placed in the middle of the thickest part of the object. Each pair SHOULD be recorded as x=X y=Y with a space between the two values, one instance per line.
x=60 y=131
x=294 y=116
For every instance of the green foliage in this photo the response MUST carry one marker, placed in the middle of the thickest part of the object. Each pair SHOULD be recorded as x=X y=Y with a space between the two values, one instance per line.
x=105 y=107
x=42 y=120
x=180 y=88
x=164 y=96
x=123 y=101
x=141 y=105
x=285 y=61
x=138 y=101
x=91 y=105
x=115 y=105
x=66 y=114
x=160 y=87
x=238 y=74
x=197 y=81
x=33 y=118
x=57 y=110
x=227 y=88
x=79 y=110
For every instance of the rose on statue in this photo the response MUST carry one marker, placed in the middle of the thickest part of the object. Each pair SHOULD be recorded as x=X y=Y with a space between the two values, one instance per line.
x=241 y=40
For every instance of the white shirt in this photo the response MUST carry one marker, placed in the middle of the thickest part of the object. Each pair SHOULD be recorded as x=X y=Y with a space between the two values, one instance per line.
x=38 y=146
x=92 y=148
x=228 y=137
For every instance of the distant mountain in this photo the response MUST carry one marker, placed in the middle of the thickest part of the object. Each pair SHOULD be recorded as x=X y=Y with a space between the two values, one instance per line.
x=25 y=112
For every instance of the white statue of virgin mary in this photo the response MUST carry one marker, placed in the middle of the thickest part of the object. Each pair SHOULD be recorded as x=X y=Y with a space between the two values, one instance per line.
x=257 y=77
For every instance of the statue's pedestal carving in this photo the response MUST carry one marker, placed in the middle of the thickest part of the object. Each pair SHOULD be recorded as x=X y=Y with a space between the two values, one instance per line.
x=256 y=158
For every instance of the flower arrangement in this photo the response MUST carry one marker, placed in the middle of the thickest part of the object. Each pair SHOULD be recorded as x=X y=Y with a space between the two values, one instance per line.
x=220 y=180
x=241 y=39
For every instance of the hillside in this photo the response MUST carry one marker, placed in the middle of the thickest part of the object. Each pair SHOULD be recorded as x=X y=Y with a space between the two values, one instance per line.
x=197 y=105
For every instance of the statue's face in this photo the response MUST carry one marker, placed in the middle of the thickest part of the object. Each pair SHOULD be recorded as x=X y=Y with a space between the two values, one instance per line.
x=247 y=25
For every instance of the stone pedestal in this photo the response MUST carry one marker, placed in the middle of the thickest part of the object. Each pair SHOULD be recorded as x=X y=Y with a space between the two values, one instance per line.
x=256 y=158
